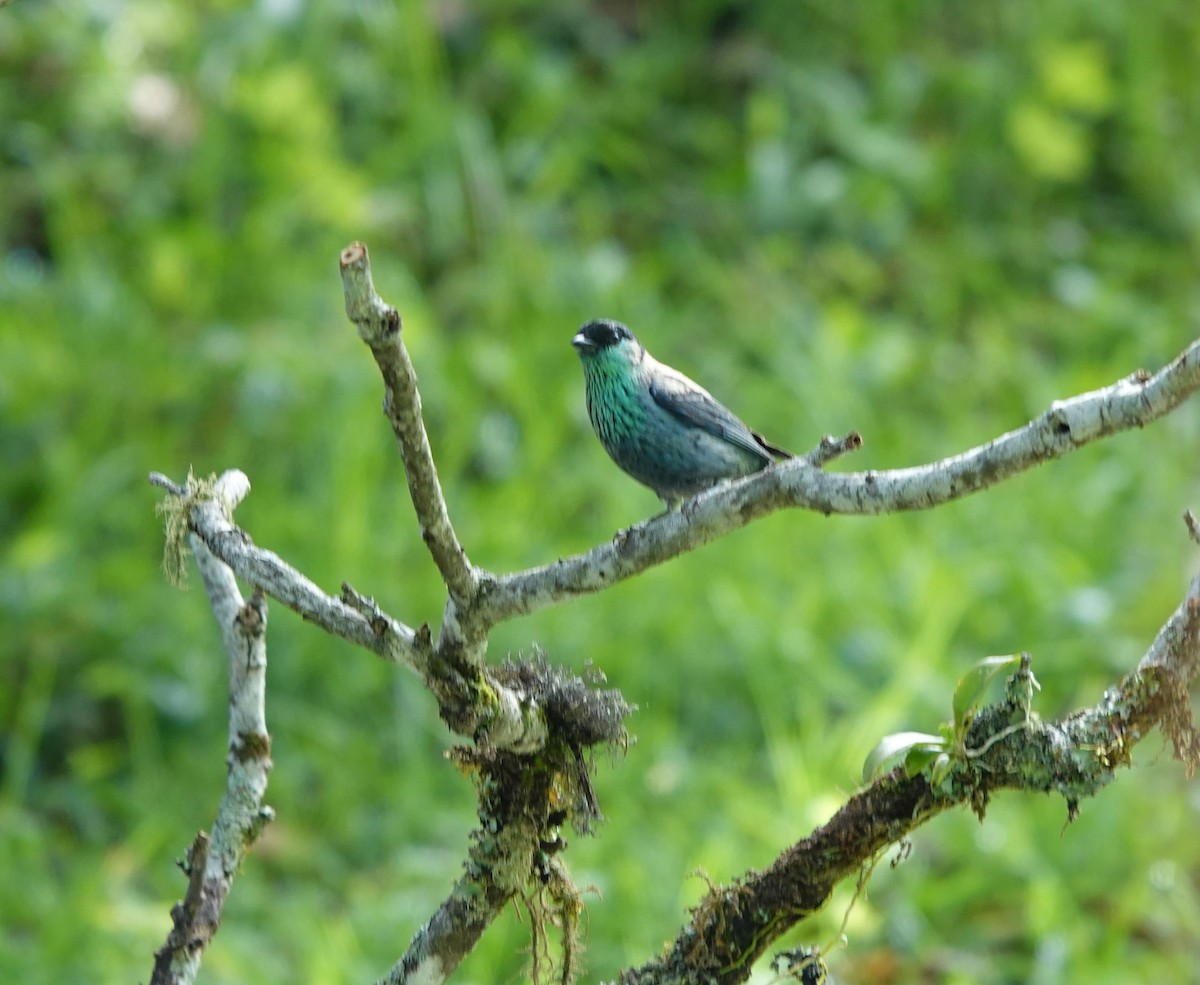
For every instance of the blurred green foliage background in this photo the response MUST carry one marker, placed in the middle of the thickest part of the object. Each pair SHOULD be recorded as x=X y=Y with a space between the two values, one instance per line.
x=924 y=221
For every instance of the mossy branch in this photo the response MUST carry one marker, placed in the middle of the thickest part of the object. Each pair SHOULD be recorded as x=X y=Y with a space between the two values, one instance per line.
x=1011 y=747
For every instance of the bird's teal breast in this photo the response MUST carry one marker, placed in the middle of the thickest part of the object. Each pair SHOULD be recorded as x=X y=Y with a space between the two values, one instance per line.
x=615 y=408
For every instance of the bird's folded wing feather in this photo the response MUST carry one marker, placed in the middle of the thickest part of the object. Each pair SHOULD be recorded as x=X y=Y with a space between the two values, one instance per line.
x=697 y=408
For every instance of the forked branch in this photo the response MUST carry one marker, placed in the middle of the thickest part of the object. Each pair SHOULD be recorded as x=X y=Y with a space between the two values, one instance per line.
x=532 y=721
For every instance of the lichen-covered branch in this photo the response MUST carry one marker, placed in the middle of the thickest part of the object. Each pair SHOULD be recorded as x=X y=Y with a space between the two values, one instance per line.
x=379 y=326
x=209 y=518
x=1007 y=746
x=800 y=483
x=451 y=934
x=213 y=860
x=531 y=724
x=472 y=701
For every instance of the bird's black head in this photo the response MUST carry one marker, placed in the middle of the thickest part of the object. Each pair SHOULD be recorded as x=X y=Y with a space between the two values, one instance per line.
x=601 y=334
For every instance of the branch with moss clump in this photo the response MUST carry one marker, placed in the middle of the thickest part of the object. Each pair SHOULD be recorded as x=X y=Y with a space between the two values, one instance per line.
x=525 y=802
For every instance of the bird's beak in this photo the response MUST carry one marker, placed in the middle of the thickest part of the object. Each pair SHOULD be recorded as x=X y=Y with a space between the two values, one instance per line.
x=582 y=343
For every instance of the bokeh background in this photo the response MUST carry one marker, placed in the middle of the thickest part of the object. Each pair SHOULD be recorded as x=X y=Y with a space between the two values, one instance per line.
x=924 y=221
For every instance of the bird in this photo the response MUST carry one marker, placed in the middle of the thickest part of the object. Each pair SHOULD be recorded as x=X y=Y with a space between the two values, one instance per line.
x=660 y=427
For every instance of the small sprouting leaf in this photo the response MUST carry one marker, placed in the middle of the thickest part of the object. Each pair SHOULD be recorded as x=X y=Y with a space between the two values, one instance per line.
x=891 y=746
x=975 y=681
x=940 y=770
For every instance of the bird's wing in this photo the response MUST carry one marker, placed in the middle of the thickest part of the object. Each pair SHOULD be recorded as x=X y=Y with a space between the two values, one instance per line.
x=697 y=408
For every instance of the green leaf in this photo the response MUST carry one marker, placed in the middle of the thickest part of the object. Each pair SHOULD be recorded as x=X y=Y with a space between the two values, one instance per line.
x=919 y=757
x=891 y=746
x=940 y=770
x=974 y=683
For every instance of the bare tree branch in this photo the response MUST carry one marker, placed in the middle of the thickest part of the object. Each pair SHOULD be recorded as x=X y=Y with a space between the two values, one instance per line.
x=530 y=723
x=471 y=700
x=213 y=862
x=1069 y=424
x=379 y=326
x=390 y=638
x=209 y=517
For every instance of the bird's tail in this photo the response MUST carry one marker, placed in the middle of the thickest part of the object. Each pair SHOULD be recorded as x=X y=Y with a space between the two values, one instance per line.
x=774 y=450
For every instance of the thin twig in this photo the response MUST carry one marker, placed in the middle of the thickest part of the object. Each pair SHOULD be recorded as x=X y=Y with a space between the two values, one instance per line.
x=1189 y=519
x=163 y=482
x=830 y=448
x=386 y=637
x=380 y=327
